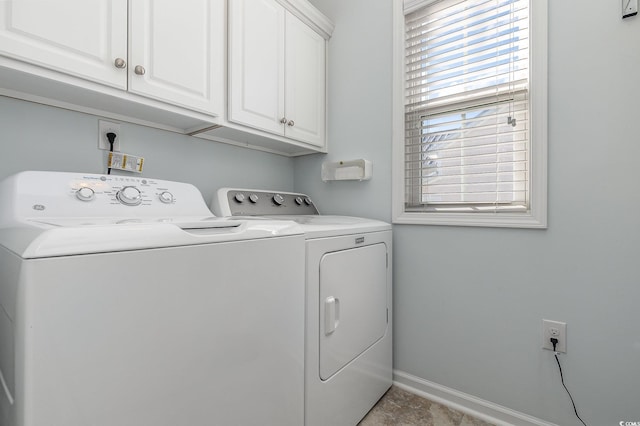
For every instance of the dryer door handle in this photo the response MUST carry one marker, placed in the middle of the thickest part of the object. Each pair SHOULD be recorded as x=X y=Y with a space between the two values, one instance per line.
x=331 y=314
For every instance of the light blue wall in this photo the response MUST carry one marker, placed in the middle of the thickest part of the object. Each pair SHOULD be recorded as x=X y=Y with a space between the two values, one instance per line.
x=37 y=137
x=359 y=110
x=469 y=301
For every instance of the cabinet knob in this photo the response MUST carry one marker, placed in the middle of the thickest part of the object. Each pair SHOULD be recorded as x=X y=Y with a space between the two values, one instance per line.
x=120 y=63
x=139 y=69
x=291 y=123
x=283 y=120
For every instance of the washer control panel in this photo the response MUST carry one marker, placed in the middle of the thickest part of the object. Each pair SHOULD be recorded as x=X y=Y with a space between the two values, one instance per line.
x=254 y=202
x=61 y=194
x=127 y=191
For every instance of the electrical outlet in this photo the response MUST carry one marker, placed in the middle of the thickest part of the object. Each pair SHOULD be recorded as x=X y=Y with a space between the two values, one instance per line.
x=557 y=330
x=629 y=8
x=105 y=127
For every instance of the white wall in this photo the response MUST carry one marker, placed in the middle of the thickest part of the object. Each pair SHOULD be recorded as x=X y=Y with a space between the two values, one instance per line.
x=469 y=301
x=37 y=137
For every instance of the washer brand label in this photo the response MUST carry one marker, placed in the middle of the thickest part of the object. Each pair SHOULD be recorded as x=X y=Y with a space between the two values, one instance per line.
x=38 y=207
x=359 y=240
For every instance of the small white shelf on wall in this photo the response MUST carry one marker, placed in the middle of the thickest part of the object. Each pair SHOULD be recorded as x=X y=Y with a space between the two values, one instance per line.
x=359 y=169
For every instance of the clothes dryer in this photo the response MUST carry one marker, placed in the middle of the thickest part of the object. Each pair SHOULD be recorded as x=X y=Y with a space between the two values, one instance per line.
x=348 y=341
x=125 y=302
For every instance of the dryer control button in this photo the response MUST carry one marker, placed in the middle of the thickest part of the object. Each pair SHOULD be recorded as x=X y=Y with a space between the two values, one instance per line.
x=308 y=201
x=278 y=199
x=85 y=194
x=299 y=201
x=239 y=197
x=254 y=198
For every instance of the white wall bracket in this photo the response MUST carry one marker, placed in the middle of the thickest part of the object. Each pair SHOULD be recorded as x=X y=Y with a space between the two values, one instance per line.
x=347 y=170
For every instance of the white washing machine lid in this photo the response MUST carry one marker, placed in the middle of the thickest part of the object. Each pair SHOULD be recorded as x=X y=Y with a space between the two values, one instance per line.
x=47 y=240
x=45 y=214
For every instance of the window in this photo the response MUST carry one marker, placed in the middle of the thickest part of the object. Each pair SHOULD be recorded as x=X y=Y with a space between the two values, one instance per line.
x=470 y=112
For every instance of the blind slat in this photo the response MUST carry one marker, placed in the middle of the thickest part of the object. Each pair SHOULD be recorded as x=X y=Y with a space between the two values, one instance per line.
x=494 y=20
x=440 y=86
x=505 y=92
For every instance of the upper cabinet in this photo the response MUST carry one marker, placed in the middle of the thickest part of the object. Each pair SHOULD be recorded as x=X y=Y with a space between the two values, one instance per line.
x=305 y=83
x=245 y=72
x=256 y=64
x=277 y=71
x=77 y=37
x=163 y=50
x=176 y=52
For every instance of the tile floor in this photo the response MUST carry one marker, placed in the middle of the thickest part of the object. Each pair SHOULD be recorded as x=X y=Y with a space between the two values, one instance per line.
x=401 y=408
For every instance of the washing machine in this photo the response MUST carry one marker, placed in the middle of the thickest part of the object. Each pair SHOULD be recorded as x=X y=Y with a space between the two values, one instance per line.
x=124 y=302
x=348 y=355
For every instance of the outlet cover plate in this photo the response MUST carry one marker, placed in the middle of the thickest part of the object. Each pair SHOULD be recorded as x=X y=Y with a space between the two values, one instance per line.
x=555 y=329
x=629 y=8
x=105 y=127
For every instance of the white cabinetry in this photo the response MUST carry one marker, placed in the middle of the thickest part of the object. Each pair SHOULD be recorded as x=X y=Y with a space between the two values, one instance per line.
x=161 y=49
x=244 y=72
x=277 y=72
x=305 y=83
x=77 y=37
x=177 y=52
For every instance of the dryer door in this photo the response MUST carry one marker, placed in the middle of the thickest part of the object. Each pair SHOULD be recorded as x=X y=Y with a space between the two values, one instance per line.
x=353 y=304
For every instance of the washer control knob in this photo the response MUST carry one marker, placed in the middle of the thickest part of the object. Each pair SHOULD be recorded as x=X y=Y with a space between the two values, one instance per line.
x=166 y=197
x=239 y=197
x=254 y=198
x=308 y=201
x=299 y=201
x=129 y=196
x=278 y=199
x=85 y=194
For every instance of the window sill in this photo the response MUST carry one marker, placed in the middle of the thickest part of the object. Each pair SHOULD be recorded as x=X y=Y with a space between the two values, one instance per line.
x=492 y=220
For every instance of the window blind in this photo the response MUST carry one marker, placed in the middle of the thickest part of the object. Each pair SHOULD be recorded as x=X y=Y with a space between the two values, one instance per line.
x=467 y=143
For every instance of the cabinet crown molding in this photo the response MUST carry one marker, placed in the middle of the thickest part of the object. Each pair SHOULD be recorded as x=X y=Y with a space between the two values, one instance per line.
x=311 y=16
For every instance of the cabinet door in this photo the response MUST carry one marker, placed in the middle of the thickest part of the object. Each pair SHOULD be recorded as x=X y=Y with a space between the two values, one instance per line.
x=77 y=37
x=177 y=52
x=256 y=60
x=304 y=83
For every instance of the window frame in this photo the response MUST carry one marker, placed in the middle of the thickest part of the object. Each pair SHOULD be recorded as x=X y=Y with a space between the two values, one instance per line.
x=536 y=216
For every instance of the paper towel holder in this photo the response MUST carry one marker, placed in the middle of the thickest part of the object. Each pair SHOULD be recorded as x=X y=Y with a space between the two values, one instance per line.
x=359 y=169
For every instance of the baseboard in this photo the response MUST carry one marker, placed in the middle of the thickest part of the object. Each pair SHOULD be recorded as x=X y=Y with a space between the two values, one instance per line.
x=468 y=404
